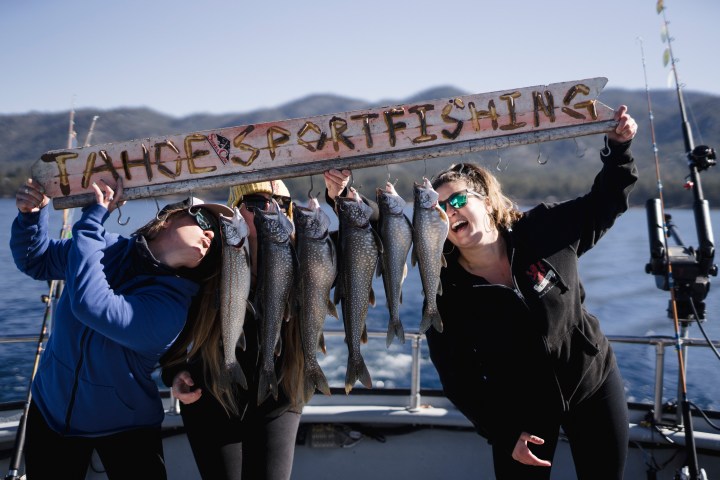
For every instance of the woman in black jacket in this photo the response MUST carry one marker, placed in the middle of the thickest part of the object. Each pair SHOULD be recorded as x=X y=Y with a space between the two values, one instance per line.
x=519 y=355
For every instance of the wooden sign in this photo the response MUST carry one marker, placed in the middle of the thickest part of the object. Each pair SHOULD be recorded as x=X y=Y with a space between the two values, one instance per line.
x=306 y=146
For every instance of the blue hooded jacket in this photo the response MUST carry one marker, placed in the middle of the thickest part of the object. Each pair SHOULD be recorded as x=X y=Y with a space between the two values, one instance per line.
x=120 y=310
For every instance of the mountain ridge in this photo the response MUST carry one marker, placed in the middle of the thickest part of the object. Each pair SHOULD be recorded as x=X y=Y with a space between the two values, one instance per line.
x=29 y=135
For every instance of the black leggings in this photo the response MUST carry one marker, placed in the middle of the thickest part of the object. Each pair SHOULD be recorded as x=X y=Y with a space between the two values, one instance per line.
x=136 y=454
x=255 y=448
x=597 y=430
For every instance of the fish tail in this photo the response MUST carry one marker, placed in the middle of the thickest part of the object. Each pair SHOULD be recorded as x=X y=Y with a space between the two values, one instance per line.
x=267 y=385
x=430 y=318
x=395 y=329
x=357 y=370
x=315 y=379
x=238 y=376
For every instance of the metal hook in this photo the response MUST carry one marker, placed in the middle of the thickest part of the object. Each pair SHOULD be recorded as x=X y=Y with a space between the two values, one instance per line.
x=120 y=216
x=578 y=153
x=540 y=156
x=312 y=186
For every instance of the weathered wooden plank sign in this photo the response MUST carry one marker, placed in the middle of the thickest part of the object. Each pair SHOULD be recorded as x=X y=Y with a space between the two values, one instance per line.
x=305 y=146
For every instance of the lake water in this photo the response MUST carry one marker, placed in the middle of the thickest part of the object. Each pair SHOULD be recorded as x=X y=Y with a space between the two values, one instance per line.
x=619 y=293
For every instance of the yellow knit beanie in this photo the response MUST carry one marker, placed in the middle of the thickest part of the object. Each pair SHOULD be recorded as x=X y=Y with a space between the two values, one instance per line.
x=274 y=187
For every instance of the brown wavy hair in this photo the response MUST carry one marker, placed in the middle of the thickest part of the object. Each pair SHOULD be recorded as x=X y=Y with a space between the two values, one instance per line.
x=504 y=211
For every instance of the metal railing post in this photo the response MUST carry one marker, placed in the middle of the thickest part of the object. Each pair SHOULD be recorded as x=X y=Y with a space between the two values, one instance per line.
x=415 y=370
x=659 y=374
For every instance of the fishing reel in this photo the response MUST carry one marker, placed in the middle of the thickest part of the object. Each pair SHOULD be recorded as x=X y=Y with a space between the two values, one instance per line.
x=691 y=285
x=702 y=157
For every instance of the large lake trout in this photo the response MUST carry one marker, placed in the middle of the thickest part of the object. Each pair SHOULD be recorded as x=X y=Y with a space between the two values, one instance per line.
x=234 y=290
x=395 y=231
x=359 y=250
x=275 y=277
x=430 y=229
x=317 y=262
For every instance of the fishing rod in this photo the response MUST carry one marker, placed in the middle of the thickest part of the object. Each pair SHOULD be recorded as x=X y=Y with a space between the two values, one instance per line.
x=681 y=270
x=55 y=289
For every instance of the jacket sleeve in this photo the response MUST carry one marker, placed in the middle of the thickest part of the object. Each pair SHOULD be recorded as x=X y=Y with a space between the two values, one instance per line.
x=34 y=253
x=147 y=320
x=581 y=222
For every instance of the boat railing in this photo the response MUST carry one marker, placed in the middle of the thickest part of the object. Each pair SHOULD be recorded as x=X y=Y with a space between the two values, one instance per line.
x=659 y=342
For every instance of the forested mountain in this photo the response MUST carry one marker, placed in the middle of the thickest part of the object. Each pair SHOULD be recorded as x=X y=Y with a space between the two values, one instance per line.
x=570 y=168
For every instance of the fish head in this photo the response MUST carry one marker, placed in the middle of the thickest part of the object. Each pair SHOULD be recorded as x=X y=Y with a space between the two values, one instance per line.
x=425 y=195
x=269 y=226
x=234 y=229
x=389 y=201
x=353 y=211
x=311 y=221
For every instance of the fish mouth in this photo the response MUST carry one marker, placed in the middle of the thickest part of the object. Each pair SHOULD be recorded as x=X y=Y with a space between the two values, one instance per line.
x=458 y=225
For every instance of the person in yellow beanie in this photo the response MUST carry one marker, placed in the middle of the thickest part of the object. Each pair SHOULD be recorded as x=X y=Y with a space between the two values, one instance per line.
x=230 y=435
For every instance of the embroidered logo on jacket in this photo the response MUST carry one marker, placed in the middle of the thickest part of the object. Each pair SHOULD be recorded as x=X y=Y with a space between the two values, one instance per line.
x=541 y=277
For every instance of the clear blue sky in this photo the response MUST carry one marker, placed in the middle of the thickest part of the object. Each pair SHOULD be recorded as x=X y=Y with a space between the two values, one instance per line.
x=180 y=57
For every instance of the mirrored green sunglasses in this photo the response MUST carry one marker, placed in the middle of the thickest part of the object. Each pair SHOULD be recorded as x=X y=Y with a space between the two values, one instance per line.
x=201 y=218
x=458 y=199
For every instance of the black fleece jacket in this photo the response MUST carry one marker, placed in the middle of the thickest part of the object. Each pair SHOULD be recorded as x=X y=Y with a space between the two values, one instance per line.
x=507 y=355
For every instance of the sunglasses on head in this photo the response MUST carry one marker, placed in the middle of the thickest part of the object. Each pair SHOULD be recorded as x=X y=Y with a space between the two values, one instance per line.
x=262 y=203
x=458 y=199
x=202 y=219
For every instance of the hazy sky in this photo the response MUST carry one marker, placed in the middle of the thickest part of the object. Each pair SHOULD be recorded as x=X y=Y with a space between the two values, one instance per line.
x=180 y=57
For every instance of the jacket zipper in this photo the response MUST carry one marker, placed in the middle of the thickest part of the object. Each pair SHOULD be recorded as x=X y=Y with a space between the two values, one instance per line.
x=76 y=382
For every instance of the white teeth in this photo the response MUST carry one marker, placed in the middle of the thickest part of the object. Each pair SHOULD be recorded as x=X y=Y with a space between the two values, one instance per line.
x=458 y=224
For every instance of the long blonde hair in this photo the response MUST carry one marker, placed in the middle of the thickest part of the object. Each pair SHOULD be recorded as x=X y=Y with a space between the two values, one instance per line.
x=504 y=211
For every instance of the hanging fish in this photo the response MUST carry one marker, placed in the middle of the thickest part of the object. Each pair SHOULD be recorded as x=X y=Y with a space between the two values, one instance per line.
x=359 y=251
x=275 y=276
x=430 y=229
x=317 y=268
x=396 y=233
x=234 y=290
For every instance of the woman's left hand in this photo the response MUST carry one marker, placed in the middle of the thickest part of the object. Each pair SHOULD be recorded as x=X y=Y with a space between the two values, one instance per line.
x=106 y=196
x=626 y=127
x=522 y=453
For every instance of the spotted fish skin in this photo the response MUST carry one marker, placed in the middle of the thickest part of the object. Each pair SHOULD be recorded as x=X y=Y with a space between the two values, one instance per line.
x=234 y=291
x=317 y=269
x=430 y=230
x=359 y=251
x=396 y=233
x=276 y=272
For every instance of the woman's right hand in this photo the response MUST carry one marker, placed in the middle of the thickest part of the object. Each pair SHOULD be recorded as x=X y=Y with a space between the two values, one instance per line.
x=31 y=197
x=522 y=453
x=182 y=388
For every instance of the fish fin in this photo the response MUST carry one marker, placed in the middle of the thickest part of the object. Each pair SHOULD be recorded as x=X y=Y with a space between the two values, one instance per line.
x=332 y=310
x=439 y=287
x=251 y=307
x=414 y=256
x=371 y=297
x=321 y=344
x=357 y=370
x=238 y=376
x=430 y=319
x=443 y=262
x=378 y=241
x=315 y=379
x=278 y=346
x=395 y=329
x=242 y=342
x=364 y=335
x=267 y=385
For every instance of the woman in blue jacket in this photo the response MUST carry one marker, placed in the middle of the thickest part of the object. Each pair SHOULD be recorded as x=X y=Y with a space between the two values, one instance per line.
x=124 y=302
x=519 y=354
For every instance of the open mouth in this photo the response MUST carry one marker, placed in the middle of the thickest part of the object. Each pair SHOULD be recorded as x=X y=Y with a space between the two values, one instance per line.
x=459 y=225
